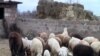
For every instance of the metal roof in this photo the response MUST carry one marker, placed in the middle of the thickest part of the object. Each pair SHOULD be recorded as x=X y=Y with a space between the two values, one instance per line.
x=10 y=2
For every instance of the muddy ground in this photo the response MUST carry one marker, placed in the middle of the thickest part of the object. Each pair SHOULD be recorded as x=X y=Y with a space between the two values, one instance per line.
x=4 y=47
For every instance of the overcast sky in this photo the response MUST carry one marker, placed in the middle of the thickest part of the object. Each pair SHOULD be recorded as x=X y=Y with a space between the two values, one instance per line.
x=92 y=5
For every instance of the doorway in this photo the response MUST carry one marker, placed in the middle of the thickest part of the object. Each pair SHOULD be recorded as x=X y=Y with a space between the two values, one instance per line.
x=1 y=13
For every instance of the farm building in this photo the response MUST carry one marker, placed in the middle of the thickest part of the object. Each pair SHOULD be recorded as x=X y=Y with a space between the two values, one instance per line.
x=8 y=12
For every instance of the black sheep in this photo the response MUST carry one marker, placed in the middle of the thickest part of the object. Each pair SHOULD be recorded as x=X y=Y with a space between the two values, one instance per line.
x=83 y=50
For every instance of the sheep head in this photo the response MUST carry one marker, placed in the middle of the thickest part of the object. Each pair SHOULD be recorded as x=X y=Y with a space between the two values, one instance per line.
x=52 y=35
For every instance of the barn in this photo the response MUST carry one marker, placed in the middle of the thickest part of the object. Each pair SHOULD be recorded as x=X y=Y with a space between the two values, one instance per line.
x=8 y=13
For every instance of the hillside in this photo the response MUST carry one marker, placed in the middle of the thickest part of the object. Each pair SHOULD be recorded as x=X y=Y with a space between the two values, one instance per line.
x=65 y=11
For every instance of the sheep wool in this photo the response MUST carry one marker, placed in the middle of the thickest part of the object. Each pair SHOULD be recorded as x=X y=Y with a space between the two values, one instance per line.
x=96 y=46
x=46 y=53
x=54 y=45
x=63 y=51
x=90 y=39
x=36 y=47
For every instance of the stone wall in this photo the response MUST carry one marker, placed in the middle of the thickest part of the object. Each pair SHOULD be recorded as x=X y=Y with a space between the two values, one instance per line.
x=85 y=28
x=10 y=13
x=2 y=31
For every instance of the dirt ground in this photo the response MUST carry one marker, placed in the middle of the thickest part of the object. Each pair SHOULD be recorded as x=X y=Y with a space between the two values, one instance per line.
x=4 y=47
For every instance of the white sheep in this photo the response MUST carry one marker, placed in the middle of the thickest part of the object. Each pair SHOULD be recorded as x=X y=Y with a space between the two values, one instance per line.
x=54 y=45
x=26 y=42
x=90 y=39
x=64 y=37
x=65 y=32
x=52 y=35
x=46 y=53
x=36 y=47
x=27 y=45
x=63 y=51
x=96 y=46
x=84 y=42
x=73 y=42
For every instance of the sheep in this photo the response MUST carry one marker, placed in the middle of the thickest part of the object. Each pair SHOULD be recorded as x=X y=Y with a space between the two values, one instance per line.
x=70 y=53
x=65 y=32
x=45 y=45
x=84 y=42
x=52 y=35
x=44 y=36
x=77 y=35
x=42 y=40
x=59 y=40
x=46 y=53
x=73 y=42
x=99 y=53
x=82 y=50
x=27 y=45
x=16 y=44
x=64 y=37
x=63 y=51
x=90 y=39
x=36 y=47
x=96 y=46
x=54 y=45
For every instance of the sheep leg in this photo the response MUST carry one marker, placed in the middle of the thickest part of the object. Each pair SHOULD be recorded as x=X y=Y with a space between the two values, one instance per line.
x=28 y=52
x=12 y=52
x=54 y=54
x=32 y=54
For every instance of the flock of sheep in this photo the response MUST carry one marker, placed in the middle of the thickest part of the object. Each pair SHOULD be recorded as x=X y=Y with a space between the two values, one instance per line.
x=57 y=45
